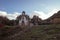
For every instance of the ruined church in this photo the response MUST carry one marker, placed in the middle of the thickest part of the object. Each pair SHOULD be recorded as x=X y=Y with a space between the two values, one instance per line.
x=24 y=19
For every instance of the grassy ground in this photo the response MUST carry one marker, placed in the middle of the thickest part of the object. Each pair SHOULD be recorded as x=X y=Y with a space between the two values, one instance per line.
x=41 y=32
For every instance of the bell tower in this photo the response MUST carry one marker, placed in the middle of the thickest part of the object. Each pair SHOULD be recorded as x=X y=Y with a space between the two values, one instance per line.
x=23 y=19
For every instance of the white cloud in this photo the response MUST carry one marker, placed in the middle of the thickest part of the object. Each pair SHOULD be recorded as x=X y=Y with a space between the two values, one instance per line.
x=9 y=15
x=13 y=16
x=2 y=13
x=43 y=15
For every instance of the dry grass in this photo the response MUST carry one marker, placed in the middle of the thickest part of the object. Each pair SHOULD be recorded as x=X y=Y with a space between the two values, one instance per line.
x=41 y=32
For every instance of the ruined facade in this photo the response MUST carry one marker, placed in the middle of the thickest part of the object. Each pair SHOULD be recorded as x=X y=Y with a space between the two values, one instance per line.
x=23 y=19
x=36 y=20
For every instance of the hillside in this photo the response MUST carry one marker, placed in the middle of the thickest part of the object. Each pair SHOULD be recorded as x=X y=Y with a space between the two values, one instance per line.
x=42 y=32
x=54 y=19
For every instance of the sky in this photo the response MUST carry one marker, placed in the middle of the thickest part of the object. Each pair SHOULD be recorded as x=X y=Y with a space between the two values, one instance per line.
x=41 y=8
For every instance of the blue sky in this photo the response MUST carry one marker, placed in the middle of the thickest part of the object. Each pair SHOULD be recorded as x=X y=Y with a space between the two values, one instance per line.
x=28 y=5
x=46 y=6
